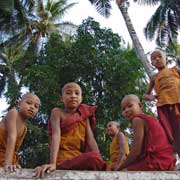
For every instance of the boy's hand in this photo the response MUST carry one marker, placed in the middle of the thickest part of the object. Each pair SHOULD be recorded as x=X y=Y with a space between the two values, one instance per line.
x=149 y=97
x=11 y=167
x=46 y=168
x=117 y=166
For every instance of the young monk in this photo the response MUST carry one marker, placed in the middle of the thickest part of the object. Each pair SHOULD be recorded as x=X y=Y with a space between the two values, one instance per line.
x=73 y=146
x=150 y=149
x=119 y=147
x=167 y=87
x=13 y=129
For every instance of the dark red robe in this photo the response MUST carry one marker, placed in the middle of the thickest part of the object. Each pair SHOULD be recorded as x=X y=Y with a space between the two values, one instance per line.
x=156 y=153
x=169 y=118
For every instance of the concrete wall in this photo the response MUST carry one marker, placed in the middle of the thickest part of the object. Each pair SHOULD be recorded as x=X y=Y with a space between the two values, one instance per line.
x=27 y=174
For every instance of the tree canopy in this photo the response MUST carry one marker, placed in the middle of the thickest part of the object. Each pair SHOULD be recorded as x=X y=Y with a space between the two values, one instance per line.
x=94 y=58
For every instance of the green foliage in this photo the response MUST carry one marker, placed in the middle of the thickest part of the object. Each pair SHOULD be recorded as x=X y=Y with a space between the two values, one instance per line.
x=94 y=59
x=34 y=150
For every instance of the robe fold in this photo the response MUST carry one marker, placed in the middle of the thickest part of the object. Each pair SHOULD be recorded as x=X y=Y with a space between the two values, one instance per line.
x=73 y=152
x=3 y=144
x=170 y=121
x=156 y=153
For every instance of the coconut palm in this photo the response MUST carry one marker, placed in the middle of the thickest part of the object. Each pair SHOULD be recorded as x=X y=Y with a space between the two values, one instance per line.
x=8 y=76
x=49 y=18
x=14 y=17
x=165 y=22
x=45 y=17
x=104 y=7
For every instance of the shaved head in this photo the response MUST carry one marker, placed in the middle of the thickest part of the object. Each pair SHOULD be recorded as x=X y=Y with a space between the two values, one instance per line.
x=114 y=122
x=70 y=85
x=29 y=95
x=132 y=97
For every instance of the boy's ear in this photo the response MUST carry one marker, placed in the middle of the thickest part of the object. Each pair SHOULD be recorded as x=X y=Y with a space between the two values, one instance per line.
x=140 y=105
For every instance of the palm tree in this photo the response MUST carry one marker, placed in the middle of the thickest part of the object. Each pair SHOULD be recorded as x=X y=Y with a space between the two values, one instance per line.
x=45 y=17
x=104 y=7
x=42 y=18
x=48 y=18
x=164 y=24
x=8 y=78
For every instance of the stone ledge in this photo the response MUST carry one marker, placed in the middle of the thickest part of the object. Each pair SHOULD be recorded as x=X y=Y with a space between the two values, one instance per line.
x=27 y=174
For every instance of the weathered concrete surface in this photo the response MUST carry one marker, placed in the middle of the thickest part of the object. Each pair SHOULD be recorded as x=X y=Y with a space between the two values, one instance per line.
x=27 y=174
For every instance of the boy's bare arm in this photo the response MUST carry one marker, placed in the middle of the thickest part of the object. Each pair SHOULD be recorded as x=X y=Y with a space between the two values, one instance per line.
x=122 y=142
x=138 y=136
x=54 y=148
x=56 y=134
x=148 y=96
x=90 y=138
x=10 y=124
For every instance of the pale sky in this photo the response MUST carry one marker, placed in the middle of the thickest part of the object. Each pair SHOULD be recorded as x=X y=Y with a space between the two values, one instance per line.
x=138 y=14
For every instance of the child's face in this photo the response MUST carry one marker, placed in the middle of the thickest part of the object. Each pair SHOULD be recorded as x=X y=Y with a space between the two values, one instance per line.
x=112 y=129
x=29 y=106
x=72 y=95
x=158 y=59
x=130 y=107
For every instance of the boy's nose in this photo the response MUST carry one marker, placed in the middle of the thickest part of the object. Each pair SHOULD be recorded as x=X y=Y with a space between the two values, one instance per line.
x=74 y=95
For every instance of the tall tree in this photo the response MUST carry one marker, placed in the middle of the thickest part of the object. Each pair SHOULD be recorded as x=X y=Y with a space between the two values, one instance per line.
x=94 y=59
x=24 y=25
x=40 y=20
x=165 y=22
x=104 y=7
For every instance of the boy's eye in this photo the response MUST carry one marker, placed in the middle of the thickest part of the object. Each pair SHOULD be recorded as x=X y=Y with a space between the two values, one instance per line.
x=68 y=92
x=37 y=106
x=28 y=102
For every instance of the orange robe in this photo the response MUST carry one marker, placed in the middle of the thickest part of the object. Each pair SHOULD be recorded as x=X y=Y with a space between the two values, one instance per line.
x=167 y=87
x=156 y=153
x=3 y=138
x=115 y=150
x=73 y=152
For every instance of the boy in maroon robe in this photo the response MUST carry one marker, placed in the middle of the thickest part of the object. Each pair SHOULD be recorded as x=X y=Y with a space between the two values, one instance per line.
x=150 y=149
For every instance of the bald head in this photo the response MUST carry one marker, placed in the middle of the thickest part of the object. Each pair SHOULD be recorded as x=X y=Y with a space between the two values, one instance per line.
x=158 y=51
x=71 y=85
x=131 y=97
x=117 y=124
x=30 y=95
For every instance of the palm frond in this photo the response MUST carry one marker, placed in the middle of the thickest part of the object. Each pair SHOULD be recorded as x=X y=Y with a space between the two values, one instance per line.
x=58 y=9
x=148 y=2
x=102 y=6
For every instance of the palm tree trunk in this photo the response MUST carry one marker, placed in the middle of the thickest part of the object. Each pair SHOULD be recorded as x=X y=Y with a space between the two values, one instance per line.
x=137 y=45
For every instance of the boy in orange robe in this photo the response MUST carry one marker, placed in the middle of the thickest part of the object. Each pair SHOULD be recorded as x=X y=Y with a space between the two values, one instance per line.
x=167 y=87
x=150 y=149
x=119 y=147
x=73 y=146
x=13 y=130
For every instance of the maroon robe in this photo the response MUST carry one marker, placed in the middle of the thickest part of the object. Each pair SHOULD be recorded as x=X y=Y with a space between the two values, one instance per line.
x=156 y=153
x=169 y=118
